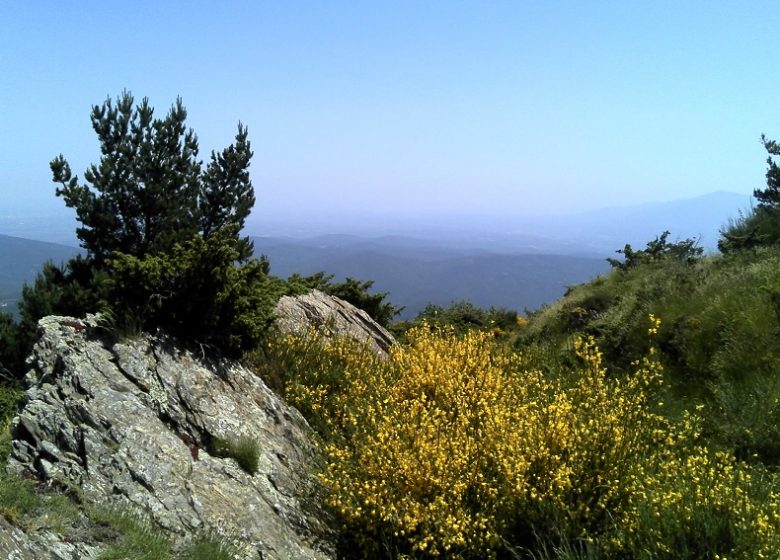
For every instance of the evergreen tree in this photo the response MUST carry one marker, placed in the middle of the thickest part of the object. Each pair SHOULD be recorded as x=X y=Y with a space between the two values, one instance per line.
x=162 y=235
x=770 y=196
x=760 y=225
x=149 y=190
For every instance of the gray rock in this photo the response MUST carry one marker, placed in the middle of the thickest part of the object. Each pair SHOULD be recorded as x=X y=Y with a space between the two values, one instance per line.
x=130 y=424
x=16 y=544
x=331 y=316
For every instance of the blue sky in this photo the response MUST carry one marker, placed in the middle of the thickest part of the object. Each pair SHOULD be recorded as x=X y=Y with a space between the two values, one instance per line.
x=409 y=107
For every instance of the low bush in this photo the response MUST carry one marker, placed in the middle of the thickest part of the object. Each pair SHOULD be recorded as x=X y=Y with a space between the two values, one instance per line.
x=210 y=548
x=455 y=447
x=718 y=343
x=197 y=292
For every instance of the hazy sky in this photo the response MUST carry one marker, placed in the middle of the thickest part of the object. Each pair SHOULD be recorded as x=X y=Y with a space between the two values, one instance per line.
x=488 y=107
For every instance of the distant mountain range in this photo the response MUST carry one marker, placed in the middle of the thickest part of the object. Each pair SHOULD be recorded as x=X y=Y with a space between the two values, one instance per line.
x=21 y=260
x=510 y=261
x=594 y=233
x=417 y=272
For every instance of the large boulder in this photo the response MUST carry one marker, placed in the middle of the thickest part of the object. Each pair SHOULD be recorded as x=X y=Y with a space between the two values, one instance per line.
x=331 y=316
x=132 y=424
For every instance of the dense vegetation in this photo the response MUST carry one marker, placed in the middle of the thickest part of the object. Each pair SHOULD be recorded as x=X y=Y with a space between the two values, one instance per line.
x=636 y=417
x=161 y=235
x=460 y=447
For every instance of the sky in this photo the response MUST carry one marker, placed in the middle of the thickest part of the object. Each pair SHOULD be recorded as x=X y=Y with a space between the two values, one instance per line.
x=410 y=108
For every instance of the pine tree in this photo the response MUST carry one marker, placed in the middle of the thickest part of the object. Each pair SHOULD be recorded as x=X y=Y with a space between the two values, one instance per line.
x=770 y=196
x=149 y=191
x=162 y=234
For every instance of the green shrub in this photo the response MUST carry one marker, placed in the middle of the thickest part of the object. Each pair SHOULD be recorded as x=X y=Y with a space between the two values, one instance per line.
x=196 y=292
x=464 y=316
x=759 y=226
x=11 y=348
x=658 y=249
x=718 y=341
x=352 y=291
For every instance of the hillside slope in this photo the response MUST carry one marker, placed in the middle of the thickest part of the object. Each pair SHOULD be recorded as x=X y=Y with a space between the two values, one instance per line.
x=21 y=260
x=719 y=338
x=416 y=274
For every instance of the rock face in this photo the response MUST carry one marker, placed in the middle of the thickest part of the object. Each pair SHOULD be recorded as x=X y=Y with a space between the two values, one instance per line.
x=132 y=423
x=16 y=544
x=332 y=317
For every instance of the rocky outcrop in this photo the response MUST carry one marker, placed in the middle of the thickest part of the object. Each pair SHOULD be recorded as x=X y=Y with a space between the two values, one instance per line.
x=132 y=423
x=331 y=316
x=41 y=544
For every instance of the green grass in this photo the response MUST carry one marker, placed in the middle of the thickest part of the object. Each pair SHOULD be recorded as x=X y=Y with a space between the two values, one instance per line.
x=18 y=498
x=136 y=538
x=244 y=450
x=210 y=548
x=718 y=339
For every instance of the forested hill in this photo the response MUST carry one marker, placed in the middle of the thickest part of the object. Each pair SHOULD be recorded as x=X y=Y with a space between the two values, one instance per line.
x=413 y=272
x=417 y=273
x=20 y=260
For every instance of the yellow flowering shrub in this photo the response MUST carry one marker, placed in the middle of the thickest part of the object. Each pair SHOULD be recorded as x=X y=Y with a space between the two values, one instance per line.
x=703 y=505
x=455 y=448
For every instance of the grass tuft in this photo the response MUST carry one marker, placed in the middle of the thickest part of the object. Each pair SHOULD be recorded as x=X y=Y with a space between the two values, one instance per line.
x=244 y=450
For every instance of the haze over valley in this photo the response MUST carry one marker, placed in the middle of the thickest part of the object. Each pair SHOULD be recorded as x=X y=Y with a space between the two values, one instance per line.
x=516 y=262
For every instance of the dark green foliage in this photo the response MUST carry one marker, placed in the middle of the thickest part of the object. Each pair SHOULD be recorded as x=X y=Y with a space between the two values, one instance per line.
x=226 y=194
x=195 y=291
x=11 y=351
x=761 y=225
x=353 y=291
x=58 y=290
x=464 y=315
x=22 y=260
x=658 y=249
x=758 y=227
x=11 y=399
x=769 y=197
x=356 y=293
x=161 y=235
x=149 y=190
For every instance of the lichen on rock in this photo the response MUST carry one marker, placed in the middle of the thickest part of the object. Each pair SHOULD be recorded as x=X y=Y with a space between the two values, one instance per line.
x=130 y=423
